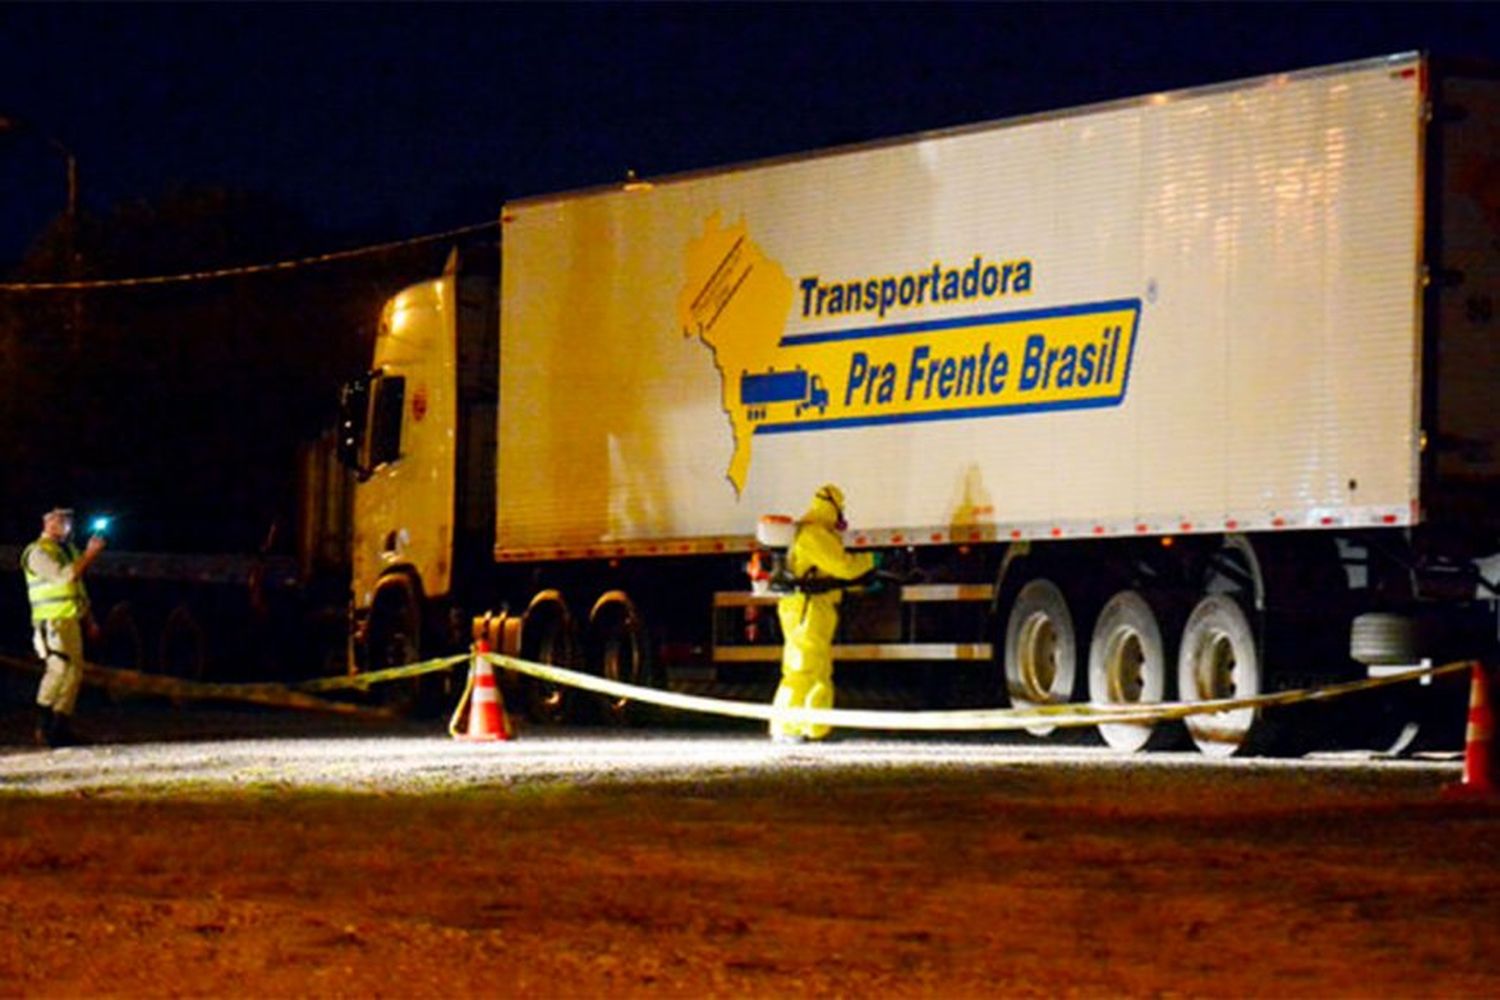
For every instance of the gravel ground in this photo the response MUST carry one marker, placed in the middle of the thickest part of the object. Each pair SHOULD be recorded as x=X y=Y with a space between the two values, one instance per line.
x=250 y=853
x=151 y=749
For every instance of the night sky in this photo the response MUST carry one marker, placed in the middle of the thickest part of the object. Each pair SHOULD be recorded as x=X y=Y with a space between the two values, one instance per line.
x=380 y=122
x=212 y=135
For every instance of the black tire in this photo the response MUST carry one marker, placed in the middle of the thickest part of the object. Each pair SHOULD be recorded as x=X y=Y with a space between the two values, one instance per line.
x=619 y=650
x=1041 y=649
x=1303 y=625
x=394 y=639
x=183 y=647
x=1220 y=658
x=1129 y=665
x=547 y=637
x=120 y=644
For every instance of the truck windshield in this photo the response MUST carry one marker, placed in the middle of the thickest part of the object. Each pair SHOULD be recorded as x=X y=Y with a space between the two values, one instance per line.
x=370 y=433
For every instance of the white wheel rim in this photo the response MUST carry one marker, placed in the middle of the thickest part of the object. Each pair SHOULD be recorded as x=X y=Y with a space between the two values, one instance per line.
x=1037 y=651
x=1218 y=672
x=1123 y=674
x=1124 y=665
x=1216 y=669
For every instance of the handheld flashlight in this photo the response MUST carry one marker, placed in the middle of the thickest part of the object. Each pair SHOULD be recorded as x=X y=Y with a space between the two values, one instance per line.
x=99 y=525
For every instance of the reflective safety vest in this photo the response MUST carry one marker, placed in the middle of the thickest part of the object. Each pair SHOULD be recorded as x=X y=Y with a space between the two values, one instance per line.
x=49 y=600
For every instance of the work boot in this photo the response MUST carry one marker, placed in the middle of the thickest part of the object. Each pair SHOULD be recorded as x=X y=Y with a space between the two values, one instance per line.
x=46 y=727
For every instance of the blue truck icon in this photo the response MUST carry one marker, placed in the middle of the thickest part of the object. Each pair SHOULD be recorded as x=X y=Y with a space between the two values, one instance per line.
x=759 y=391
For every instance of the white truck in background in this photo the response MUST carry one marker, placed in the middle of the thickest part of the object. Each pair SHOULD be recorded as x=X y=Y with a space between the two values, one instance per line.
x=1182 y=396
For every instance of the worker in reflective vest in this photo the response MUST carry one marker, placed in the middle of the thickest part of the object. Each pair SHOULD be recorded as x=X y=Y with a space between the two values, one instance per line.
x=810 y=615
x=59 y=609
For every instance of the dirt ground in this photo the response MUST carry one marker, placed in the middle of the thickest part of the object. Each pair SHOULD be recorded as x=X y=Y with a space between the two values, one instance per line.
x=1013 y=881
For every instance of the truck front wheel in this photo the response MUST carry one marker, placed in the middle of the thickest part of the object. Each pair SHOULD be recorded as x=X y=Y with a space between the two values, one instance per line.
x=394 y=639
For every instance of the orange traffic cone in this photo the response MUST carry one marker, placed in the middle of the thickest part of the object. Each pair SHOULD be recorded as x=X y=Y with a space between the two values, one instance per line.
x=1479 y=763
x=487 y=718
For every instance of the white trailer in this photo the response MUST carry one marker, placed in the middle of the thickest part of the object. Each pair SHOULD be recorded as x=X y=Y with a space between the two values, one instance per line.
x=1161 y=398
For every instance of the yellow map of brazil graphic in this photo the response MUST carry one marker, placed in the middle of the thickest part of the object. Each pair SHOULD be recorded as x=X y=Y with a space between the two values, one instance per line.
x=735 y=299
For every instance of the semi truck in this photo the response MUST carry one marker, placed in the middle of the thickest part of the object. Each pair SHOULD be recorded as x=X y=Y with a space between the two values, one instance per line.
x=1182 y=396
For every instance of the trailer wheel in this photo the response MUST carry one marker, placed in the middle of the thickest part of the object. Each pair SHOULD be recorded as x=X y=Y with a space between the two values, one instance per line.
x=1041 y=649
x=120 y=643
x=547 y=637
x=1219 y=658
x=619 y=651
x=183 y=649
x=1128 y=666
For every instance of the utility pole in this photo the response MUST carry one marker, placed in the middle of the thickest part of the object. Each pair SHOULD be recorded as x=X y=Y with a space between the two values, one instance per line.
x=19 y=126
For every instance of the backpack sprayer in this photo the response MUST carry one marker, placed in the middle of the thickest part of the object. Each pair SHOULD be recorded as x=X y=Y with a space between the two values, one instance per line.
x=768 y=569
x=770 y=573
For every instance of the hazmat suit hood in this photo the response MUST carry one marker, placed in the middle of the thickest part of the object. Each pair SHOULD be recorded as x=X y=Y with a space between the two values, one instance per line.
x=827 y=508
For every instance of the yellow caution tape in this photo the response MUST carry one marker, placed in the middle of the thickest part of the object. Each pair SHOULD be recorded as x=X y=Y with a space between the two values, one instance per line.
x=990 y=719
x=298 y=696
x=987 y=719
x=273 y=695
x=364 y=681
x=455 y=722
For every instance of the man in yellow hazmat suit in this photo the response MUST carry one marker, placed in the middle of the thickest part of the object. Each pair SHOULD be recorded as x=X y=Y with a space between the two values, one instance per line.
x=810 y=616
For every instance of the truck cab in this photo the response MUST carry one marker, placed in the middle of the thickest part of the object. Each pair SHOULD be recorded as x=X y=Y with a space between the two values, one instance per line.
x=412 y=429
